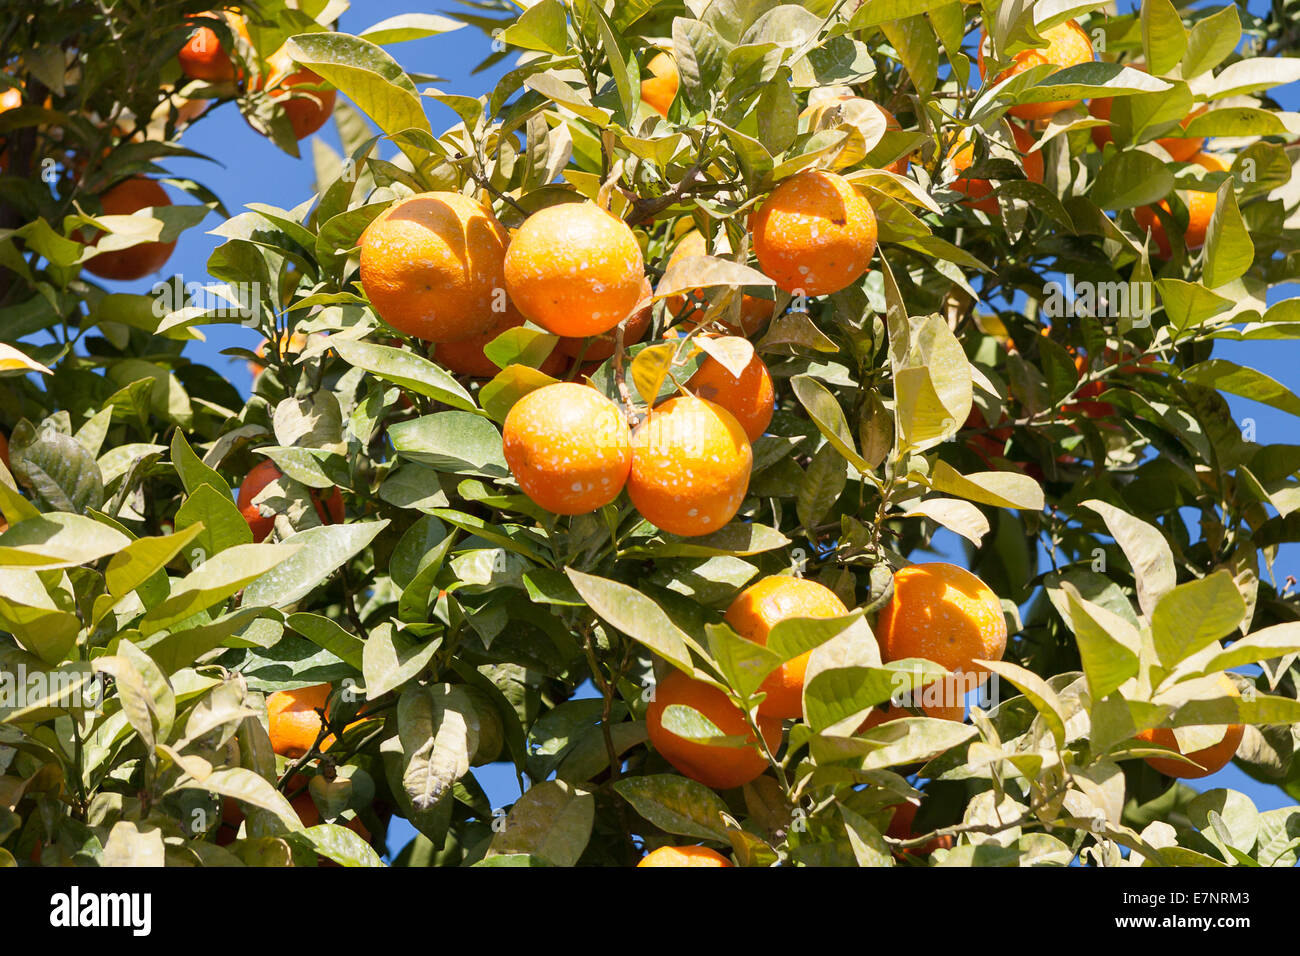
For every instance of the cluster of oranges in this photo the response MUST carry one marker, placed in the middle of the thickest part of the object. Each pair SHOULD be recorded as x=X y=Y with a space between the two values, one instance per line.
x=939 y=612
x=307 y=102
x=1069 y=45
x=440 y=267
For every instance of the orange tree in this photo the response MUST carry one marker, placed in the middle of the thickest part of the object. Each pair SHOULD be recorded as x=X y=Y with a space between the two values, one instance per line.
x=865 y=338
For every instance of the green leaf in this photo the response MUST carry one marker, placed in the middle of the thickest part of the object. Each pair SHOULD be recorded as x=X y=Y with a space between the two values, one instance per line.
x=1211 y=40
x=1147 y=551
x=191 y=469
x=1164 y=40
x=143 y=558
x=1038 y=692
x=215 y=580
x=552 y=821
x=1229 y=250
x=825 y=411
x=676 y=804
x=1131 y=178
x=319 y=553
x=1108 y=644
x=1194 y=615
x=366 y=75
x=216 y=521
x=58 y=468
x=636 y=615
x=339 y=844
x=439 y=733
x=1188 y=304
x=458 y=442
x=390 y=658
x=823 y=482
x=328 y=635
x=542 y=26
x=932 y=383
x=1271 y=643
x=406 y=369
x=58 y=541
x=1236 y=379
x=838 y=699
x=1003 y=489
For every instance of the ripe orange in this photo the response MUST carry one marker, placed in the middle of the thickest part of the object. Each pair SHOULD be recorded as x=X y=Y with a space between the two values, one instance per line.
x=754 y=311
x=567 y=446
x=601 y=347
x=307 y=100
x=942 y=613
x=750 y=398
x=1200 y=207
x=1180 y=149
x=204 y=58
x=691 y=462
x=1067 y=45
x=659 y=89
x=466 y=357
x=713 y=765
x=758 y=608
x=980 y=191
x=1212 y=759
x=136 y=262
x=684 y=856
x=294 y=723
x=574 y=269
x=330 y=509
x=433 y=266
x=814 y=233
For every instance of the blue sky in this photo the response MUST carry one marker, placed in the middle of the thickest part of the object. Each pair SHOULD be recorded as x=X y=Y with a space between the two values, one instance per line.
x=250 y=169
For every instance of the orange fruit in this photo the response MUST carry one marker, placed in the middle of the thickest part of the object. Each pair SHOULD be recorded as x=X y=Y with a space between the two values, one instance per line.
x=574 y=269
x=433 y=266
x=814 y=233
x=135 y=262
x=1211 y=759
x=980 y=191
x=203 y=57
x=601 y=347
x=294 y=723
x=942 y=613
x=1180 y=149
x=329 y=509
x=567 y=446
x=1200 y=207
x=684 y=856
x=691 y=462
x=758 y=608
x=660 y=87
x=307 y=100
x=466 y=356
x=750 y=398
x=754 y=311
x=1067 y=45
x=713 y=765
